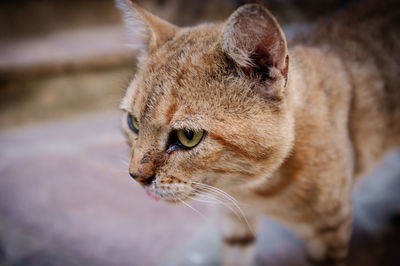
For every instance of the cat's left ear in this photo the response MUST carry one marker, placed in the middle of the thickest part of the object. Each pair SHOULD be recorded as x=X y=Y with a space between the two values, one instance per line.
x=146 y=31
x=254 y=40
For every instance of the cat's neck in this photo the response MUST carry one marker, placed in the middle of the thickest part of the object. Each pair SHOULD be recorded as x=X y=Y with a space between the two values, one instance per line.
x=316 y=106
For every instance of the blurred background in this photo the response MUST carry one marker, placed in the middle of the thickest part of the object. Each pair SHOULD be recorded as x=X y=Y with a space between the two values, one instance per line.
x=65 y=194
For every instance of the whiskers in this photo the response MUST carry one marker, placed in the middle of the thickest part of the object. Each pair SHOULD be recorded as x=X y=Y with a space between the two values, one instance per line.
x=191 y=207
x=124 y=162
x=176 y=200
x=214 y=195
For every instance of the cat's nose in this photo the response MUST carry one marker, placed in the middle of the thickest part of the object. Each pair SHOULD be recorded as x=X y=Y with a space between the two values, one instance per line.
x=133 y=175
x=145 y=181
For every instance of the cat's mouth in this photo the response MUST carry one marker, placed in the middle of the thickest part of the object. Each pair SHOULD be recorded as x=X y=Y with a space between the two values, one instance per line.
x=151 y=196
x=171 y=193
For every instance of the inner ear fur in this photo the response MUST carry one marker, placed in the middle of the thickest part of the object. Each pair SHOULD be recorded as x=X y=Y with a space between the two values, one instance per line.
x=254 y=40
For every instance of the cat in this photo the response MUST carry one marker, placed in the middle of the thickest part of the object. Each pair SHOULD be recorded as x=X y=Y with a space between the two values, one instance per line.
x=228 y=108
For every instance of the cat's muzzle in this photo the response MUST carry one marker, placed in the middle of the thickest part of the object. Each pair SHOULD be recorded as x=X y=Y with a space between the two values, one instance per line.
x=145 y=181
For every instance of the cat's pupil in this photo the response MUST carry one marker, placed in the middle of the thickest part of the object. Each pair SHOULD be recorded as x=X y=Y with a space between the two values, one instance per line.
x=189 y=134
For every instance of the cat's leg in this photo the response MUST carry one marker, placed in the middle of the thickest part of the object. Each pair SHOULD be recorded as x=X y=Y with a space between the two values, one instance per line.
x=330 y=245
x=238 y=240
x=327 y=240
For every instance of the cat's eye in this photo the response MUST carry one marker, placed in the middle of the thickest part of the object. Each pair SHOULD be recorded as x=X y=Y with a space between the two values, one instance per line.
x=189 y=138
x=133 y=123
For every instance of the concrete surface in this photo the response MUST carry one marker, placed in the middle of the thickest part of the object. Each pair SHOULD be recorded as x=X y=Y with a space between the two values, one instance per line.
x=53 y=98
x=66 y=199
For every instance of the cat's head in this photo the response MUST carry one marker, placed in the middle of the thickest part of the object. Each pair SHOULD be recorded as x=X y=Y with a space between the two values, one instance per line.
x=208 y=104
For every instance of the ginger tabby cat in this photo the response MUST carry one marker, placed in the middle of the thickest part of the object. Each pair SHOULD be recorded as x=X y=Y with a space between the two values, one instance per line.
x=287 y=131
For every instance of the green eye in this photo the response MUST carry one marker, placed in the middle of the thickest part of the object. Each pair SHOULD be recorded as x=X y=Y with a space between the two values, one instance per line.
x=189 y=138
x=133 y=124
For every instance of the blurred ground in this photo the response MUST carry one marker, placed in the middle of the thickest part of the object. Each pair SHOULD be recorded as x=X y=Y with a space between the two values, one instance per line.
x=65 y=196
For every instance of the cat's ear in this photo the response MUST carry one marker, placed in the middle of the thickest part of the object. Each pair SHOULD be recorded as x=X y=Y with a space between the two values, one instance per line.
x=146 y=31
x=254 y=40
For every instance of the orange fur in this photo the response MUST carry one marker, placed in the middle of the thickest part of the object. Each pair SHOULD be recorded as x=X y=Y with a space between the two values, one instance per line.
x=288 y=131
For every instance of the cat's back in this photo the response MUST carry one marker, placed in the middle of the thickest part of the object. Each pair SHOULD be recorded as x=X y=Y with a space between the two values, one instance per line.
x=365 y=30
x=366 y=37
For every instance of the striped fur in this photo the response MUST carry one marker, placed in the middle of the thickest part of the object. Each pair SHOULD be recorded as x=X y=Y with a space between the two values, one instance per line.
x=288 y=130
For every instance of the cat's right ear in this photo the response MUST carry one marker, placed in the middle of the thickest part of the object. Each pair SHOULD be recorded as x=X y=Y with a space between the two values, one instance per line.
x=146 y=32
x=253 y=39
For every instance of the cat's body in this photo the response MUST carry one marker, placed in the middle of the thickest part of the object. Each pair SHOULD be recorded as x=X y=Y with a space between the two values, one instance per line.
x=286 y=132
x=366 y=39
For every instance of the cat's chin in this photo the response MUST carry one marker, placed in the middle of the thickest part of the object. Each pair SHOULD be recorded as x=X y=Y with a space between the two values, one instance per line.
x=167 y=195
x=173 y=201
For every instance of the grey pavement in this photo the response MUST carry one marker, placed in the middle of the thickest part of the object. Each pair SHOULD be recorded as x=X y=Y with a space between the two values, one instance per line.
x=66 y=199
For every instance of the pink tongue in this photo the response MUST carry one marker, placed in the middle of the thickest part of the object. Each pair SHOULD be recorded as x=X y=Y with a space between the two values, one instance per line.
x=152 y=196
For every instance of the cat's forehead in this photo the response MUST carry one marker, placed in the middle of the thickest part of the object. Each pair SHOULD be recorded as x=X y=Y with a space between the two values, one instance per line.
x=187 y=46
x=178 y=65
x=185 y=76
